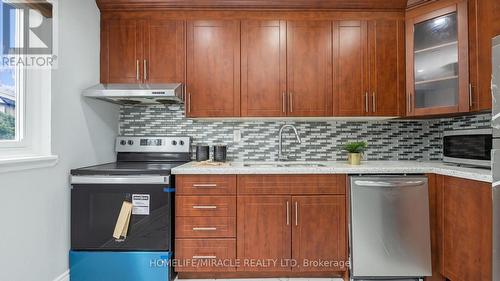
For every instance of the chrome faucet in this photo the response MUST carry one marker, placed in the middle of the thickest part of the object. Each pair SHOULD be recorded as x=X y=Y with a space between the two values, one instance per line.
x=281 y=157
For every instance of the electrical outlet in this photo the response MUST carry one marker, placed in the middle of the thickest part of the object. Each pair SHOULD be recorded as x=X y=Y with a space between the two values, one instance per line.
x=237 y=135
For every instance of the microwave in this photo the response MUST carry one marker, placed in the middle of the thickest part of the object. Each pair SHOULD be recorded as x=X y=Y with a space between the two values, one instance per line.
x=468 y=147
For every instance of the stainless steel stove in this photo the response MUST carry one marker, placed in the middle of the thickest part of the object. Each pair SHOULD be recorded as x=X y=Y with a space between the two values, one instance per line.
x=142 y=177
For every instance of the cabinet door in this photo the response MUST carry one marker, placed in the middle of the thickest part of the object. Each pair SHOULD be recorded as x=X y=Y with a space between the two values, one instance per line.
x=480 y=53
x=351 y=73
x=436 y=219
x=309 y=58
x=263 y=231
x=386 y=61
x=121 y=51
x=319 y=232
x=164 y=52
x=263 y=68
x=437 y=59
x=467 y=230
x=213 y=68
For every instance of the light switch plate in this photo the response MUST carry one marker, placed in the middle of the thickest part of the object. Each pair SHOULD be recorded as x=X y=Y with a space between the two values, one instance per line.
x=237 y=135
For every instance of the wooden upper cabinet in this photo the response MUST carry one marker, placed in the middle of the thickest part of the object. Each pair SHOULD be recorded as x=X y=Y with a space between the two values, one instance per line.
x=467 y=230
x=351 y=70
x=386 y=52
x=263 y=230
x=309 y=73
x=494 y=18
x=319 y=231
x=480 y=34
x=164 y=52
x=121 y=51
x=437 y=74
x=142 y=51
x=213 y=68
x=263 y=68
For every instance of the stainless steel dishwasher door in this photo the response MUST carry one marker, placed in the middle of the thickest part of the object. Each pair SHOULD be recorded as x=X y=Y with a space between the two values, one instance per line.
x=390 y=228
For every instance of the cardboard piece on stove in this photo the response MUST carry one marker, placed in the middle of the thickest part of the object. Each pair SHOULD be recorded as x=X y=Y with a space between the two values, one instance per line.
x=122 y=223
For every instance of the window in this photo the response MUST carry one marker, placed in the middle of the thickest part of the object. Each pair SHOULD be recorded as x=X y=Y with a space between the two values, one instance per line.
x=25 y=87
x=11 y=83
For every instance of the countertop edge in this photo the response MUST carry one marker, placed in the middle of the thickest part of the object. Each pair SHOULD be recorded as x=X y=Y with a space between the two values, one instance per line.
x=378 y=167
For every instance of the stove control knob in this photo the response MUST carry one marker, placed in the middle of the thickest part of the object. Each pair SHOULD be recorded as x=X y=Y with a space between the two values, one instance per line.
x=123 y=142
x=181 y=142
x=130 y=142
x=174 y=142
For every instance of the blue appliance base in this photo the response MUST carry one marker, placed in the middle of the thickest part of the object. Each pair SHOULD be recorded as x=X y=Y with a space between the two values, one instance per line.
x=122 y=266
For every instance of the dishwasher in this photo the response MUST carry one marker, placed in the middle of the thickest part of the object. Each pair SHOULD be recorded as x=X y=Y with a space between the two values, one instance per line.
x=389 y=228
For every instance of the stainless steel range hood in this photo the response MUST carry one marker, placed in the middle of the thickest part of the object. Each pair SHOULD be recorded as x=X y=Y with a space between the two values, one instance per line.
x=136 y=94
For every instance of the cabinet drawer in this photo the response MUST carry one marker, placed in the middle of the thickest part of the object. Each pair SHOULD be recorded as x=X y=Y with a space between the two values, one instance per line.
x=205 y=206
x=205 y=255
x=197 y=227
x=291 y=184
x=206 y=184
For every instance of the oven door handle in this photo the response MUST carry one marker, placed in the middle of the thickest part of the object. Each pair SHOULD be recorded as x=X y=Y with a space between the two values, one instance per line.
x=144 y=179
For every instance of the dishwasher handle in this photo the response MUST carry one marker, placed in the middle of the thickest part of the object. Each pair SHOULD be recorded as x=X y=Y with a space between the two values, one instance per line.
x=404 y=183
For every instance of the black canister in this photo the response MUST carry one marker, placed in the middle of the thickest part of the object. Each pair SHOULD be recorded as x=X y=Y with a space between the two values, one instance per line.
x=202 y=153
x=220 y=152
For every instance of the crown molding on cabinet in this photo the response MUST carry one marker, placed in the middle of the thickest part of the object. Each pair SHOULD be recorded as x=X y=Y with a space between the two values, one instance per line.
x=398 y=5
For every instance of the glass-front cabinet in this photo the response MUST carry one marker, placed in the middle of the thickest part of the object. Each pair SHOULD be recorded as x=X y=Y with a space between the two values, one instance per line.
x=437 y=60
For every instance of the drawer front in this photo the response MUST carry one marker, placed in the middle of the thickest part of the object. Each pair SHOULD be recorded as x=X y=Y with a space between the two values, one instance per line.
x=198 y=227
x=206 y=184
x=292 y=184
x=205 y=206
x=205 y=255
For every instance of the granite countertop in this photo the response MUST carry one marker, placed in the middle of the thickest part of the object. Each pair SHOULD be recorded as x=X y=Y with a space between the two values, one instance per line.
x=337 y=167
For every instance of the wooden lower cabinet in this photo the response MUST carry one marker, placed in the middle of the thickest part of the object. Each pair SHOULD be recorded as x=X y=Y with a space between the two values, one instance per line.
x=308 y=230
x=283 y=229
x=461 y=229
x=319 y=233
x=263 y=232
x=204 y=255
x=467 y=230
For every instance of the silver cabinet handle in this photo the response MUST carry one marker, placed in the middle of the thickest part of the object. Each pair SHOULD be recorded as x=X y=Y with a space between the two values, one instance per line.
x=189 y=102
x=204 y=185
x=287 y=213
x=204 y=257
x=296 y=213
x=290 y=101
x=205 y=207
x=470 y=94
x=409 y=103
x=137 y=72
x=204 y=228
x=366 y=102
x=284 y=102
x=145 y=65
x=374 y=102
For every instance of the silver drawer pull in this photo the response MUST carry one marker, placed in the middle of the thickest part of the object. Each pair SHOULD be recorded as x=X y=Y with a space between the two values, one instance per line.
x=205 y=207
x=208 y=185
x=204 y=257
x=204 y=228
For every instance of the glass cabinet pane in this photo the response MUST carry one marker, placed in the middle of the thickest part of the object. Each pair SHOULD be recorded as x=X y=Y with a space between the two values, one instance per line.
x=436 y=62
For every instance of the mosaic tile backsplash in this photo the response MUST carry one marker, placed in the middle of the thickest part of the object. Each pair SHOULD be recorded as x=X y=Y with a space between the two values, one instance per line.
x=321 y=140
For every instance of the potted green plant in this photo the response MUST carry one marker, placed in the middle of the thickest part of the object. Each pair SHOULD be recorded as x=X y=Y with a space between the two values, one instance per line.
x=355 y=151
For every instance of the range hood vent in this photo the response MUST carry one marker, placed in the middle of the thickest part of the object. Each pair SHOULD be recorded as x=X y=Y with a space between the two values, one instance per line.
x=136 y=94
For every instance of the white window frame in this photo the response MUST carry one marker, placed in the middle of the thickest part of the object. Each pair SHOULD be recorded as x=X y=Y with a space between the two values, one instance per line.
x=31 y=147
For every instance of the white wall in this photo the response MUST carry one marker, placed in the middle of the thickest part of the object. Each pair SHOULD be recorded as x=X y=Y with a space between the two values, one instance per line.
x=34 y=204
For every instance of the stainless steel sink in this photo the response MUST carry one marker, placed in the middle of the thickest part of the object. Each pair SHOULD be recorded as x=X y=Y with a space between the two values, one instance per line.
x=281 y=165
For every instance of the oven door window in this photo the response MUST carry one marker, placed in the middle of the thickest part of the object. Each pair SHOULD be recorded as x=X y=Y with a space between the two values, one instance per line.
x=474 y=147
x=94 y=213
